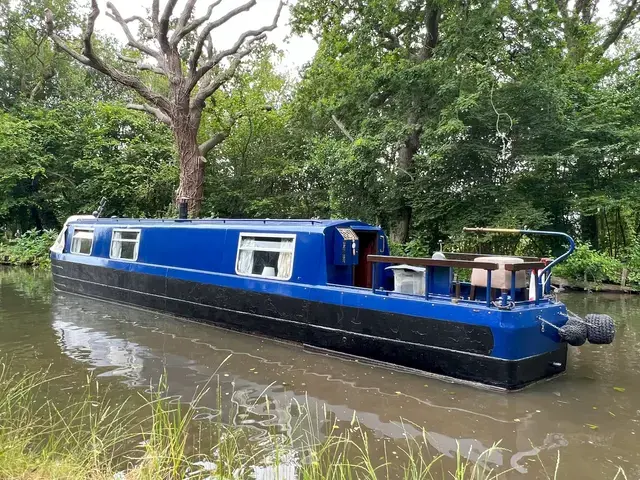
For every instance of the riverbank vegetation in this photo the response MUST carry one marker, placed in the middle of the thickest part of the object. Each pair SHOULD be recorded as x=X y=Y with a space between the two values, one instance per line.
x=28 y=249
x=154 y=436
x=422 y=117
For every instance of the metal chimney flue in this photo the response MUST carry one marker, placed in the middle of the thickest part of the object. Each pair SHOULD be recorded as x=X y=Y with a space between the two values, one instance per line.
x=183 y=209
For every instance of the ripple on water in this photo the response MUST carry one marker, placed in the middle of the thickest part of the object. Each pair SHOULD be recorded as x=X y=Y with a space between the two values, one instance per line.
x=268 y=386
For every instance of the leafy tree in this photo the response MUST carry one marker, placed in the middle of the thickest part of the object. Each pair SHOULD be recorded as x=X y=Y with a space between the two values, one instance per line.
x=58 y=162
x=512 y=115
x=184 y=57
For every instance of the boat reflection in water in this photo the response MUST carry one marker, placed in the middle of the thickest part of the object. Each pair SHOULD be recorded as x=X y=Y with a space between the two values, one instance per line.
x=272 y=387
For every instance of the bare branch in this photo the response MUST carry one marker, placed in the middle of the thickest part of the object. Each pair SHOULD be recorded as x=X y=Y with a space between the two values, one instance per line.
x=197 y=51
x=140 y=65
x=215 y=60
x=216 y=82
x=257 y=35
x=155 y=16
x=342 y=128
x=89 y=58
x=183 y=29
x=163 y=29
x=156 y=112
x=186 y=14
x=209 y=48
x=213 y=142
x=133 y=42
x=148 y=28
x=61 y=44
x=87 y=48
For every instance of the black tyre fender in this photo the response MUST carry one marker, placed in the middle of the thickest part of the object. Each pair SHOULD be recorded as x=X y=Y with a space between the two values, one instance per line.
x=600 y=328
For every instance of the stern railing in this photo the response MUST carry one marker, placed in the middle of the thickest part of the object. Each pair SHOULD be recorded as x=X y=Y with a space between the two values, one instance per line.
x=547 y=268
x=467 y=260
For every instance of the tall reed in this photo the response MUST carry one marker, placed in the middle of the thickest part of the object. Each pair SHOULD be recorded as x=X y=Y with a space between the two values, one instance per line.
x=156 y=436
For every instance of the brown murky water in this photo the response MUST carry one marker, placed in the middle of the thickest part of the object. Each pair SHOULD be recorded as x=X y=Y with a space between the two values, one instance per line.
x=593 y=425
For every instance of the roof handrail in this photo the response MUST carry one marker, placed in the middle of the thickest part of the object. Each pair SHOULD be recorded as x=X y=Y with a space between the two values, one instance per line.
x=561 y=258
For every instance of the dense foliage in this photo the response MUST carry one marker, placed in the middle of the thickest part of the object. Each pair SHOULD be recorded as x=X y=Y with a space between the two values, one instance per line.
x=422 y=116
x=31 y=248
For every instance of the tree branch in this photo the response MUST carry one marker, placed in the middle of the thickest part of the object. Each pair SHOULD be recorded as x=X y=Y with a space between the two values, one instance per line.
x=257 y=35
x=59 y=42
x=216 y=82
x=163 y=29
x=623 y=20
x=342 y=128
x=391 y=42
x=140 y=65
x=148 y=28
x=183 y=29
x=89 y=58
x=213 y=142
x=133 y=42
x=197 y=50
x=432 y=24
x=156 y=112
x=186 y=14
x=215 y=60
x=155 y=16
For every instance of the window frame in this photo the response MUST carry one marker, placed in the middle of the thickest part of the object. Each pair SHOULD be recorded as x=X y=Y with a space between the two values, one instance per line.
x=242 y=235
x=137 y=242
x=82 y=229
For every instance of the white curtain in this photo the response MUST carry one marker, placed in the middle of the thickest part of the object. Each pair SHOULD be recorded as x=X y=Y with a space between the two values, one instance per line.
x=285 y=259
x=116 y=245
x=58 y=245
x=245 y=258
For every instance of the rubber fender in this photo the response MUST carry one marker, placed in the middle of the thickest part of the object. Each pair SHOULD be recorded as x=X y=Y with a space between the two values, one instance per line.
x=579 y=324
x=573 y=334
x=600 y=328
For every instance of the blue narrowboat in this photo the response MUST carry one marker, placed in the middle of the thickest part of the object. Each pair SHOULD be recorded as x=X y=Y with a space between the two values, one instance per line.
x=332 y=284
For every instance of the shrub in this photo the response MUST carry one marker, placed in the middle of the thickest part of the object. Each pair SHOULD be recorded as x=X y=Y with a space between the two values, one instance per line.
x=590 y=265
x=30 y=248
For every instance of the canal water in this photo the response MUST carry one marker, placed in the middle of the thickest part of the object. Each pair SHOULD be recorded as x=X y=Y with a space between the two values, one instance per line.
x=590 y=415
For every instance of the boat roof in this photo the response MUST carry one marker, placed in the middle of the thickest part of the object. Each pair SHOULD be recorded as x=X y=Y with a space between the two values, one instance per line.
x=318 y=225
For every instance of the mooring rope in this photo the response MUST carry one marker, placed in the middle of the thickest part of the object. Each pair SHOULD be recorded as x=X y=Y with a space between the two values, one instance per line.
x=574 y=316
x=548 y=323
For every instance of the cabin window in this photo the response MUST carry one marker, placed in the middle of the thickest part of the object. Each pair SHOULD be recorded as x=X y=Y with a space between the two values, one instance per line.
x=268 y=256
x=82 y=241
x=124 y=244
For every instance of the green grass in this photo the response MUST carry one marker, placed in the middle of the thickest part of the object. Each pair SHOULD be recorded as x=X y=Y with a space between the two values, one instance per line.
x=157 y=437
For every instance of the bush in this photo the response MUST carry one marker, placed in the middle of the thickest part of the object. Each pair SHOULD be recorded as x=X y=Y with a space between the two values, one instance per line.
x=590 y=265
x=31 y=248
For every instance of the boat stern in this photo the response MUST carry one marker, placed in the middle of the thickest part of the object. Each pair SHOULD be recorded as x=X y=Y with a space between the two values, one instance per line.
x=528 y=344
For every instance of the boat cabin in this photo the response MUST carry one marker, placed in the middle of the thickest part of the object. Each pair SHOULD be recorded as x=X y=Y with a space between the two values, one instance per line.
x=316 y=252
x=342 y=253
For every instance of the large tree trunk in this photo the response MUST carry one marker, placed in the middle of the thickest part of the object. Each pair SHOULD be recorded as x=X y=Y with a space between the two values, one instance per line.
x=589 y=230
x=191 y=185
x=401 y=221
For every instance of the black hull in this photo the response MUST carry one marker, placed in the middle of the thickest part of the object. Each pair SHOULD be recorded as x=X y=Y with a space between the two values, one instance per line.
x=440 y=347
